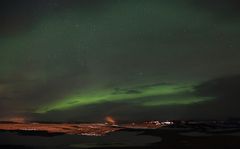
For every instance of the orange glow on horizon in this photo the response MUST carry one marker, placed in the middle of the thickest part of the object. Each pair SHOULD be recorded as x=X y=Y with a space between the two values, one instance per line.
x=17 y=119
x=110 y=120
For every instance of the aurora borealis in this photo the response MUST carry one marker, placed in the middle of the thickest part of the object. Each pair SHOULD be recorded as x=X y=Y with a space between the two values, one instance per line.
x=152 y=96
x=71 y=60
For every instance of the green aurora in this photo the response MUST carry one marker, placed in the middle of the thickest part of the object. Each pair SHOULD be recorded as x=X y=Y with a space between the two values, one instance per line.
x=163 y=95
x=86 y=59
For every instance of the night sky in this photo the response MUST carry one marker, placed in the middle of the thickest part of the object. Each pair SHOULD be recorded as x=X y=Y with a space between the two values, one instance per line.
x=82 y=60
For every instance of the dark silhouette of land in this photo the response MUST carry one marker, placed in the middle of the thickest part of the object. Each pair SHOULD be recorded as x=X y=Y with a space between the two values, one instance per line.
x=177 y=135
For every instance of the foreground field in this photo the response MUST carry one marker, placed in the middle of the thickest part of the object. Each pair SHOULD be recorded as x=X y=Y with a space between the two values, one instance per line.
x=127 y=136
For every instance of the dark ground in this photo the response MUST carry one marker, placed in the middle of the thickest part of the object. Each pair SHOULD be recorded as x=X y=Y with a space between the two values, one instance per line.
x=166 y=138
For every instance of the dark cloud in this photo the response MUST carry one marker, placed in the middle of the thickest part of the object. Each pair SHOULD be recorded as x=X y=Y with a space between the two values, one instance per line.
x=221 y=88
x=21 y=16
x=225 y=92
x=222 y=9
x=126 y=91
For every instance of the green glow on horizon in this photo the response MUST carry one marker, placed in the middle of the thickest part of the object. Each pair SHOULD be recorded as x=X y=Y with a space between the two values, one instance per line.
x=107 y=95
x=178 y=101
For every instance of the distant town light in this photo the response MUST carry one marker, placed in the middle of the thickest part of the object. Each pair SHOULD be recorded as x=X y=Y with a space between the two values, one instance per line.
x=110 y=120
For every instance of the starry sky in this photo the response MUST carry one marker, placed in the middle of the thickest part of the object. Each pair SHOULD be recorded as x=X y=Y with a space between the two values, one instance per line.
x=82 y=60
